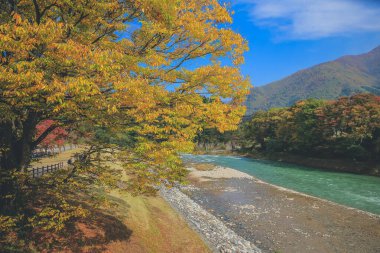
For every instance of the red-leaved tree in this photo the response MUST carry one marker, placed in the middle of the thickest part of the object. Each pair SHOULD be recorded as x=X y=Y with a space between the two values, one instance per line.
x=56 y=138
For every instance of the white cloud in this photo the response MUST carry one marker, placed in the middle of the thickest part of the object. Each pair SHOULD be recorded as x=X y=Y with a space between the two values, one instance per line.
x=313 y=19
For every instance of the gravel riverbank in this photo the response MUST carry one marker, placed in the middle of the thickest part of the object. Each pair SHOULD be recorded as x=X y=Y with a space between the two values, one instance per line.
x=279 y=220
x=219 y=237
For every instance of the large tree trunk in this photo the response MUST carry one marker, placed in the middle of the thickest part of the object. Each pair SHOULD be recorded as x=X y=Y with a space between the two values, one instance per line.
x=16 y=146
x=18 y=142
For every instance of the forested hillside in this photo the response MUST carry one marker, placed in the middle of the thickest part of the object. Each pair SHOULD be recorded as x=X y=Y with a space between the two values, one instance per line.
x=343 y=77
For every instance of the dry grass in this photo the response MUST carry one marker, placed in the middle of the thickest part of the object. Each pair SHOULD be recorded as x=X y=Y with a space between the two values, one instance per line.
x=155 y=227
x=131 y=224
x=61 y=157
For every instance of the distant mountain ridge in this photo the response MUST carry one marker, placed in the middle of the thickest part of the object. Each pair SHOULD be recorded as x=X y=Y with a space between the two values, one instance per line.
x=345 y=76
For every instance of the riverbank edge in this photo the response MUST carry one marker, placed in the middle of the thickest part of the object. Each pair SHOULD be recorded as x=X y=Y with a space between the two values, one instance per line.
x=256 y=180
x=336 y=165
x=213 y=231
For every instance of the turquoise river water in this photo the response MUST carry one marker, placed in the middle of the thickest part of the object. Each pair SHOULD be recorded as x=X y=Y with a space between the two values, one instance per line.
x=358 y=191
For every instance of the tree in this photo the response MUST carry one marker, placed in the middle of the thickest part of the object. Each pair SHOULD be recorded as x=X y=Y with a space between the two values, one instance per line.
x=346 y=128
x=303 y=126
x=55 y=138
x=263 y=128
x=119 y=65
x=75 y=62
x=351 y=125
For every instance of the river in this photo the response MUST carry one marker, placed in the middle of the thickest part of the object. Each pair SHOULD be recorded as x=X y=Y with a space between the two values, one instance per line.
x=357 y=191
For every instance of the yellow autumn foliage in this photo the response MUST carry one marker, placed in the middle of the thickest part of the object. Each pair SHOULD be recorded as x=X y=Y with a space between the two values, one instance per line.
x=129 y=66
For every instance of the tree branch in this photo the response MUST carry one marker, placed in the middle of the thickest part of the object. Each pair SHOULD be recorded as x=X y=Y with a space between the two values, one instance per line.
x=47 y=8
x=43 y=136
x=37 y=10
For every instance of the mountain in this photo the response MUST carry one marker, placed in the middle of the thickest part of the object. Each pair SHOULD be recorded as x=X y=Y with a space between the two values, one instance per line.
x=345 y=76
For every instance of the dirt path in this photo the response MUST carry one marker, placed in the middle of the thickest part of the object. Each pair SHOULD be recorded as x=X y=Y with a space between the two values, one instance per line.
x=283 y=221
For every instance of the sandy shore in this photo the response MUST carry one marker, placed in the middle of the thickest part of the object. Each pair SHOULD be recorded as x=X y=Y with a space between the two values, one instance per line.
x=281 y=220
x=217 y=172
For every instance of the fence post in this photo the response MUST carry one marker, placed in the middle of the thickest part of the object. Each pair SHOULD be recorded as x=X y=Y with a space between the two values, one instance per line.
x=40 y=171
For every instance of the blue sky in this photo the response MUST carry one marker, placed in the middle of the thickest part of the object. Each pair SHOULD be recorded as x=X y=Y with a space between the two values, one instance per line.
x=289 y=35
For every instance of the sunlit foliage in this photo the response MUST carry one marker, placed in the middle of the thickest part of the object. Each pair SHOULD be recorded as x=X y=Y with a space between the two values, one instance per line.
x=127 y=67
x=346 y=128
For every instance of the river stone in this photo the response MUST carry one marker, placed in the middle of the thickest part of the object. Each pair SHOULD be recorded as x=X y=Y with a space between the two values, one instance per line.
x=217 y=235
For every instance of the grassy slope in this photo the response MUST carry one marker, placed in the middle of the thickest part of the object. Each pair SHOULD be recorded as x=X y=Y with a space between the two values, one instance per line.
x=154 y=226
x=129 y=224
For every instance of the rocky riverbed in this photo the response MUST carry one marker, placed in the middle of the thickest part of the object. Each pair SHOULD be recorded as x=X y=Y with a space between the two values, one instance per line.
x=219 y=237
x=278 y=220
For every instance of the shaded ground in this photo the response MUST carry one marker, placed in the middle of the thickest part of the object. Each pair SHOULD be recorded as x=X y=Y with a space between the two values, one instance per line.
x=95 y=233
x=126 y=224
x=281 y=221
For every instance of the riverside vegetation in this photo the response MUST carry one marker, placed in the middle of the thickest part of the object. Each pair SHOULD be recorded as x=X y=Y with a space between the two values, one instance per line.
x=346 y=129
x=118 y=77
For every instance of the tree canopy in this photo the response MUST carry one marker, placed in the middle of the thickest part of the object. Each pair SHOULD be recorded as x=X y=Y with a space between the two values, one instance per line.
x=124 y=65
x=346 y=128
x=128 y=67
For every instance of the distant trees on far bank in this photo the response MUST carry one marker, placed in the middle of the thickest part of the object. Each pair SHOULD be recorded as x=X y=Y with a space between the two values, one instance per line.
x=346 y=128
